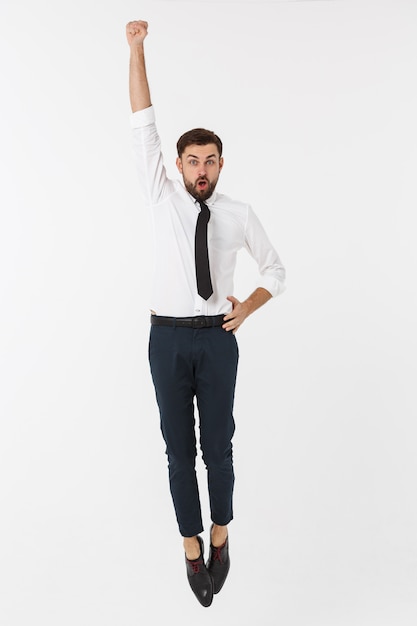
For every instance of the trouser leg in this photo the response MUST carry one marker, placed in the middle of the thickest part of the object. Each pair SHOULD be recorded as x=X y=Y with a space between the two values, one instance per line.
x=170 y=356
x=216 y=369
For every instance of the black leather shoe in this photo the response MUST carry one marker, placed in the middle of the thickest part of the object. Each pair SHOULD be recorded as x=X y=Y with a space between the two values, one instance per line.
x=199 y=578
x=218 y=565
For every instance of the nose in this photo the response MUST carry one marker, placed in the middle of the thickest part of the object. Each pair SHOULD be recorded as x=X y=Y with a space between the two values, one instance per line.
x=202 y=170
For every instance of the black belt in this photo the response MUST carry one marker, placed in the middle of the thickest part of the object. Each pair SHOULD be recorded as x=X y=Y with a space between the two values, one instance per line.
x=201 y=321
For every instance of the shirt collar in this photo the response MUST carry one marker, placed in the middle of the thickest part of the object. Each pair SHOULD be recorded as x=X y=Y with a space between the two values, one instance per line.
x=210 y=201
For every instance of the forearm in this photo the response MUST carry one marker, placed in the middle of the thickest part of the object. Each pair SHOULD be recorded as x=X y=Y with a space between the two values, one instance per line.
x=140 y=97
x=257 y=299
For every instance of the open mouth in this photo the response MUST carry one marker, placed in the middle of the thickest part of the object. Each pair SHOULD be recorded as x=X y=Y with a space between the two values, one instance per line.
x=202 y=184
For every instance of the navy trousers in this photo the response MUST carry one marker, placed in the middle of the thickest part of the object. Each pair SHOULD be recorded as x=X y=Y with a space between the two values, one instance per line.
x=190 y=364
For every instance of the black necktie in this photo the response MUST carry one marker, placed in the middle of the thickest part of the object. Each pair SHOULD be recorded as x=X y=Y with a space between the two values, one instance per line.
x=202 y=268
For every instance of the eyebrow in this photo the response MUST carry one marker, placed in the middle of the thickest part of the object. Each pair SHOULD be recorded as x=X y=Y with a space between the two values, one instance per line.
x=193 y=156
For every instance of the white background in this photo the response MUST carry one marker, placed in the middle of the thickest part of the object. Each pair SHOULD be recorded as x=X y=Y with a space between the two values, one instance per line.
x=316 y=104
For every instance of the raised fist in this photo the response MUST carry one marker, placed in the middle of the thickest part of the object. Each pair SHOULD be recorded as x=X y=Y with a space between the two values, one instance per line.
x=136 y=32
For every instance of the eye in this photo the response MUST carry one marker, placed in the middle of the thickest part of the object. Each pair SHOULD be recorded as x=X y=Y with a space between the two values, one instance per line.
x=192 y=161
x=210 y=162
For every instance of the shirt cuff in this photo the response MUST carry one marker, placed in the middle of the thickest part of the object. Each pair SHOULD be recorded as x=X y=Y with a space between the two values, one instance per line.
x=145 y=117
x=273 y=285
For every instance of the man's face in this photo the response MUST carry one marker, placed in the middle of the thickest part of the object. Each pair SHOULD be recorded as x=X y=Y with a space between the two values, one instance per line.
x=200 y=167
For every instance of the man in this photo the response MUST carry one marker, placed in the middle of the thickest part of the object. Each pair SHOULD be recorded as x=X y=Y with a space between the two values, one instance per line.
x=192 y=349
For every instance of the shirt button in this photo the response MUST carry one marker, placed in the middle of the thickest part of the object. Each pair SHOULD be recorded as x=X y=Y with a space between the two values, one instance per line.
x=197 y=310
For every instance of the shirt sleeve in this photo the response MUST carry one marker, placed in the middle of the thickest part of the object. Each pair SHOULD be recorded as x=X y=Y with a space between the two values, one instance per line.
x=153 y=179
x=145 y=117
x=271 y=270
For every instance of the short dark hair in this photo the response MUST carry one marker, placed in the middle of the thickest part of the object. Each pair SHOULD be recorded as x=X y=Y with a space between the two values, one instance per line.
x=198 y=137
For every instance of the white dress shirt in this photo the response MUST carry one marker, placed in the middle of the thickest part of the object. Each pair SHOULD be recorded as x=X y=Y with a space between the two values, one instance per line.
x=233 y=225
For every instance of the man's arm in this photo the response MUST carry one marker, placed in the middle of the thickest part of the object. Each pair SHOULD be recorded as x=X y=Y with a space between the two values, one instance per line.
x=140 y=97
x=272 y=276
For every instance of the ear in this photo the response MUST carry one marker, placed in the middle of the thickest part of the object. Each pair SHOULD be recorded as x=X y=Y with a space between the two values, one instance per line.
x=179 y=165
x=221 y=163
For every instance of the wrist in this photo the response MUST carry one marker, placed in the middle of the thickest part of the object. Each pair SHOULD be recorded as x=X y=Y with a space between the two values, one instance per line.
x=137 y=48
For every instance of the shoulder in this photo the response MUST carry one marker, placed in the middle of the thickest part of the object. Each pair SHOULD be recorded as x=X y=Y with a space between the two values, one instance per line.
x=226 y=203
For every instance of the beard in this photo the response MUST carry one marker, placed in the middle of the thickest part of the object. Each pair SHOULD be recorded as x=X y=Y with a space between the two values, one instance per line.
x=196 y=192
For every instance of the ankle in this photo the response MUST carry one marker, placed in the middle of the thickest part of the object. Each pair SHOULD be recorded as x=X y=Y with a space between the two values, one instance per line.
x=218 y=535
x=192 y=548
